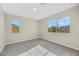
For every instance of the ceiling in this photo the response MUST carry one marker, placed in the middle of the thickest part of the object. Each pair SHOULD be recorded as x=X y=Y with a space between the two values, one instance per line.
x=35 y=10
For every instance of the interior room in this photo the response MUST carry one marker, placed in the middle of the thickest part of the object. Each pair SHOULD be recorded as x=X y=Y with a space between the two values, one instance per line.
x=39 y=29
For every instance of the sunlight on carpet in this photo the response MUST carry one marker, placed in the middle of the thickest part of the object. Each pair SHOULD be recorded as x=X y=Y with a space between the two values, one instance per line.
x=37 y=51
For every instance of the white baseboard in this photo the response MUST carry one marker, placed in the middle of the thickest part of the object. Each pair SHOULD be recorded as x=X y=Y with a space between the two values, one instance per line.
x=17 y=41
x=2 y=47
x=47 y=40
x=72 y=47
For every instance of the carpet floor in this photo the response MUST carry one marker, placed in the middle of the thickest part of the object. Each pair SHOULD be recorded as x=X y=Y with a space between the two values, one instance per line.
x=21 y=47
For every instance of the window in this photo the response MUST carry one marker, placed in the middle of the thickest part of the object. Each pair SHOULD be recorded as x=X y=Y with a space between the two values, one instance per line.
x=15 y=25
x=52 y=25
x=61 y=24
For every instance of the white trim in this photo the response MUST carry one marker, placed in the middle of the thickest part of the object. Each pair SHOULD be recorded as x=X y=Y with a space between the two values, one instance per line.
x=47 y=40
x=2 y=47
x=75 y=48
x=18 y=41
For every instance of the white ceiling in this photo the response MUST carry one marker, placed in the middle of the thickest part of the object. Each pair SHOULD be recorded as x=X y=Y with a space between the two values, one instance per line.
x=26 y=9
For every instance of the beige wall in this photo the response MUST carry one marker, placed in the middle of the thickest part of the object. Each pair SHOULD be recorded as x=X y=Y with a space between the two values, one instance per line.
x=2 y=29
x=28 y=29
x=67 y=39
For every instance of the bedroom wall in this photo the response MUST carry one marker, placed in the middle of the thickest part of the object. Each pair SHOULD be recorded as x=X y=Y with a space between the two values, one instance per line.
x=28 y=29
x=2 y=29
x=67 y=39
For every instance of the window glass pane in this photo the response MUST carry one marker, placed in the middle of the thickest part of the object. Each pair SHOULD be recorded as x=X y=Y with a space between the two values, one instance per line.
x=15 y=25
x=15 y=22
x=67 y=20
x=67 y=24
x=61 y=22
x=52 y=24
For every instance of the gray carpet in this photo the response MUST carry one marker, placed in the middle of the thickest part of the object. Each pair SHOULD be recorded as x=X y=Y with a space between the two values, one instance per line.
x=21 y=47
